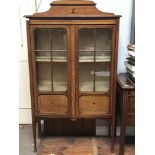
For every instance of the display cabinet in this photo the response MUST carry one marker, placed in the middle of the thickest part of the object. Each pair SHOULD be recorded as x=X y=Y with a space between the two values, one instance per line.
x=72 y=51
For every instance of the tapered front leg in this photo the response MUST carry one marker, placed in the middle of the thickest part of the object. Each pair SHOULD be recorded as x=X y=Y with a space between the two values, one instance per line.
x=34 y=135
x=112 y=135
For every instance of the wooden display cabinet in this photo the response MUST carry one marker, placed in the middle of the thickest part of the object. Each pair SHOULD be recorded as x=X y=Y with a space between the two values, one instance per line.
x=72 y=50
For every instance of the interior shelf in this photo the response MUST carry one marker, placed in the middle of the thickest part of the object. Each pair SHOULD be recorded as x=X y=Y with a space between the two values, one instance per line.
x=49 y=59
x=90 y=87
x=94 y=59
x=51 y=50
x=93 y=50
x=56 y=87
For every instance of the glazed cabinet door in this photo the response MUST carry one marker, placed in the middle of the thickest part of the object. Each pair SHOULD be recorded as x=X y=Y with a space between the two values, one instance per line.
x=94 y=63
x=50 y=68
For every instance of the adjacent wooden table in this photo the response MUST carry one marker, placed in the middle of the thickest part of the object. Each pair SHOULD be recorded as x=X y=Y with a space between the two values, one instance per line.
x=125 y=106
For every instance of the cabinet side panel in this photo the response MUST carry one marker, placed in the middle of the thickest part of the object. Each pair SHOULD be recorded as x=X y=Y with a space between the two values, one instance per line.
x=30 y=72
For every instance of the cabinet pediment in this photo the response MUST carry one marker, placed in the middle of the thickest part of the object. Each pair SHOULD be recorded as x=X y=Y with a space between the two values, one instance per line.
x=72 y=9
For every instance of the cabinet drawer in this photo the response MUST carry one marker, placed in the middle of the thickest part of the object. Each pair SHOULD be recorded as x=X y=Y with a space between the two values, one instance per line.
x=131 y=92
x=71 y=10
x=130 y=120
x=130 y=107
x=52 y=104
x=93 y=105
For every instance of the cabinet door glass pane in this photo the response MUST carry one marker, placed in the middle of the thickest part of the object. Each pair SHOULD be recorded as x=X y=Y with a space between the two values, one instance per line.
x=51 y=59
x=59 y=76
x=94 y=53
x=86 y=78
x=102 y=77
x=44 y=76
x=42 y=39
x=58 y=39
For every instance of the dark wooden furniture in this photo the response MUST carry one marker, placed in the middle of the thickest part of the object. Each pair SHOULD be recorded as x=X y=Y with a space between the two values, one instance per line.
x=125 y=106
x=72 y=51
x=67 y=127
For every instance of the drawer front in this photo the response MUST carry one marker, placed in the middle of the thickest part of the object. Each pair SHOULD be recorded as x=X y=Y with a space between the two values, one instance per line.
x=130 y=107
x=52 y=104
x=130 y=120
x=93 y=105
x=70 y=10
x=131 y=93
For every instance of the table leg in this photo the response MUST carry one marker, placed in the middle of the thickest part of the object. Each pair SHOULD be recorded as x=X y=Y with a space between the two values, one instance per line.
x=122 y=140
x=122 y=131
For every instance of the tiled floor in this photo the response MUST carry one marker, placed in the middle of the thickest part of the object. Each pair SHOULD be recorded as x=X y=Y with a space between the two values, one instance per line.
x=68 y=145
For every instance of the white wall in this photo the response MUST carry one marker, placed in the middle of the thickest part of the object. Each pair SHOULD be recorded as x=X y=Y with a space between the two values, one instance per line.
x=27 y=7
x=124 y=8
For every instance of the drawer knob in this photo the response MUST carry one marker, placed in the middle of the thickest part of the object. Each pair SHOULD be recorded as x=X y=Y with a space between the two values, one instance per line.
x=73 y=11
x=93 y=103
x=52 y=102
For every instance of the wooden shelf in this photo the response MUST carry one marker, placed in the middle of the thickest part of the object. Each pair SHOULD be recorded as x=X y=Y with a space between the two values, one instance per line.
x=50 y=50
x=93 y=50
x=90 y=87
x=97 y=59
x=56 y=87
x=51 y=59
x=81 y=59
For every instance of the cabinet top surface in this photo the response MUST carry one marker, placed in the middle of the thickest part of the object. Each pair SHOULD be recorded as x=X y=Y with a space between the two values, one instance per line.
x=123 y=82
x=72 y=2
x=72 y=9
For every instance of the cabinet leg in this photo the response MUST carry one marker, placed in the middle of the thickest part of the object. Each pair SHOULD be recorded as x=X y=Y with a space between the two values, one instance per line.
x=113 y=126
x=34 y=136
x=35 y=149
x=112 y=139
